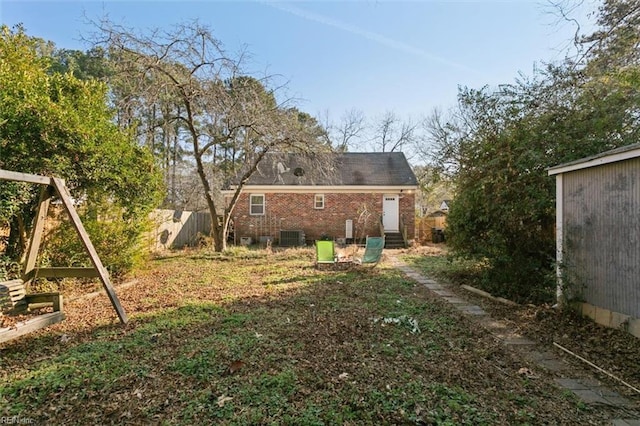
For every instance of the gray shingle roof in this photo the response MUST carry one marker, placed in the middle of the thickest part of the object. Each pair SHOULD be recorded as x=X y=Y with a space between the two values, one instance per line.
x=346 y=169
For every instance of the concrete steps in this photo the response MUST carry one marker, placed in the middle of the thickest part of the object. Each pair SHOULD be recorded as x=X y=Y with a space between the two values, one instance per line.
x=393 y=240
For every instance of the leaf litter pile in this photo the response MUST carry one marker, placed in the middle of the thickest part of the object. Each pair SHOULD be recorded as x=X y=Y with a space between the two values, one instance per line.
x=254 y=337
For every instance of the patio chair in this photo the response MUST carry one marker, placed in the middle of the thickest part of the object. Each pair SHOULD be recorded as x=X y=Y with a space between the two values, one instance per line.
x=325 y=253
x=372 y=252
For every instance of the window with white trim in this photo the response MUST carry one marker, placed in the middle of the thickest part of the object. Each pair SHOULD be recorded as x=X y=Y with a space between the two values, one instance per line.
x=256 y=204
x=318 y=201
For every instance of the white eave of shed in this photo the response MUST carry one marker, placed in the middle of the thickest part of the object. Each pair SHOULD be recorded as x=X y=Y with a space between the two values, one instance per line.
x=607 y=157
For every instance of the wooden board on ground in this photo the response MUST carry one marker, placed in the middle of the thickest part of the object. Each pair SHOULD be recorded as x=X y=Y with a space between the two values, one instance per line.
x=30 y=325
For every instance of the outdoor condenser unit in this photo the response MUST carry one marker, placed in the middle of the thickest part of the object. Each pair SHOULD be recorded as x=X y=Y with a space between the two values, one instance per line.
x=291 y=238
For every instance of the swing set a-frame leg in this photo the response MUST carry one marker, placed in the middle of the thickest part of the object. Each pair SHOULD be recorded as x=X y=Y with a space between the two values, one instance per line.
x=30 y=269
x=38 y=229
x=61 y=189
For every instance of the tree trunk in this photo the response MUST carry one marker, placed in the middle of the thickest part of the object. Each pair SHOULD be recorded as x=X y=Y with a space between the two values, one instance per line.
x=217 y=231
x=17 y=241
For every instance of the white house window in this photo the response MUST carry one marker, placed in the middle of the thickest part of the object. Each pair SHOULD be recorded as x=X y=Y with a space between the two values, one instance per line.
x=256 y=204
x=318 y=201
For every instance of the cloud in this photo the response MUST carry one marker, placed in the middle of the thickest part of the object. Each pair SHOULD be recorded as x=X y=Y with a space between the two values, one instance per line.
x=368 y=35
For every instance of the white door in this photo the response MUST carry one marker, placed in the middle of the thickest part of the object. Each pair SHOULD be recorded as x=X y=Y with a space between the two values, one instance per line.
x=390 y=213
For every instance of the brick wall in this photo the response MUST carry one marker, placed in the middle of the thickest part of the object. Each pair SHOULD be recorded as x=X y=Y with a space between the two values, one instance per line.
x=293 y=211
x=408 y=214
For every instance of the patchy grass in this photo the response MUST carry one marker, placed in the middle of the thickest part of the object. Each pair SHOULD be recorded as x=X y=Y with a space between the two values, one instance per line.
x=612 y=349
x=250 y=337
x=436 y=263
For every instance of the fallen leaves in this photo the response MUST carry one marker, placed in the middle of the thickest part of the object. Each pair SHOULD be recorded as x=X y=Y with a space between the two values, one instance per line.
x=528 y=373
x=409 y=322
x=235 y=366
x=389 y=352
x=223 y=399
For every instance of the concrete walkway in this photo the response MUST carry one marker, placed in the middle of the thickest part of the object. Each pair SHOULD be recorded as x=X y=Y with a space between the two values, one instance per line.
x=590 y=392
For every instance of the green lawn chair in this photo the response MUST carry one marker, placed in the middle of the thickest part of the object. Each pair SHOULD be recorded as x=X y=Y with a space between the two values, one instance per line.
x=325 y=253
x=372 y=252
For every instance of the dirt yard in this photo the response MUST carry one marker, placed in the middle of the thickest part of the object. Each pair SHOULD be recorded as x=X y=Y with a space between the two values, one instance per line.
x=615 y=351
x=265 y=338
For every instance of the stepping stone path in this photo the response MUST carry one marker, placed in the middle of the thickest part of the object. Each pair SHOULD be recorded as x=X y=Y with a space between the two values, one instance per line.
x=590 y=392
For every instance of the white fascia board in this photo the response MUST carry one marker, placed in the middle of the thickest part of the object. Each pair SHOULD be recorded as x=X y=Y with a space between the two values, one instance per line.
x=323 y=189
x=559 y=238
x=607 y=159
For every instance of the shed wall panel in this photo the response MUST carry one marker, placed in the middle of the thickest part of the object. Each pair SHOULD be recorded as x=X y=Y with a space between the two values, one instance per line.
x=601 y=209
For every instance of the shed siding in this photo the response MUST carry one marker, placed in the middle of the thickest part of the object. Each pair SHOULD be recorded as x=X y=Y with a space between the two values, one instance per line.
x=601 y=225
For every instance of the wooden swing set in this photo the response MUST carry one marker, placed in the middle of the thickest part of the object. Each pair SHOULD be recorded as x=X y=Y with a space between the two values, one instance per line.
x=13 y=297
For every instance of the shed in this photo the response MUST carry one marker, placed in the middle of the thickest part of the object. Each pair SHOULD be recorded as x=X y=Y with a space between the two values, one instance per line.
x=598 y=236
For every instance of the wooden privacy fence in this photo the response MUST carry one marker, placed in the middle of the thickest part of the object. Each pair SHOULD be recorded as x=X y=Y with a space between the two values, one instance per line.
x=425 y=225
x=178 y=229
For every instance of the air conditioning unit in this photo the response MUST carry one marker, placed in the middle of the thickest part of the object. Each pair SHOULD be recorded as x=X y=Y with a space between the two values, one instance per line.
x=291 y=238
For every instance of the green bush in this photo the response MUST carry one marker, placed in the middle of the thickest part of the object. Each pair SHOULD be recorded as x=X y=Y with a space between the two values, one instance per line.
x=118 y=240
x=54 y=124
x=8 y=268
x=501 y=144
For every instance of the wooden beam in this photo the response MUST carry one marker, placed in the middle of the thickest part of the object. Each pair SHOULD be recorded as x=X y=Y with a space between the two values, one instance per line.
x=61 y=272
x=38 y=230
x=45 y=299
x=24 y=177
x=26 y=327
x=84 y=237
x=101 y=292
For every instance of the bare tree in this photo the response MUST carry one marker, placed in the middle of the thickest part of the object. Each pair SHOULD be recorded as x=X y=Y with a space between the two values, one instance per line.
x=392 y=134
x=230 y=121
x=440 y=142
x=348 y=130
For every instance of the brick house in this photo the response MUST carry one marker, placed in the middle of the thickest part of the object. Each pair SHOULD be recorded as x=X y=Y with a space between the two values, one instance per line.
x=292 y=201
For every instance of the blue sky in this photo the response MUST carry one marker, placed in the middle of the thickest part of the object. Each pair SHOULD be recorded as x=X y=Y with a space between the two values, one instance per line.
x=372 y=55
